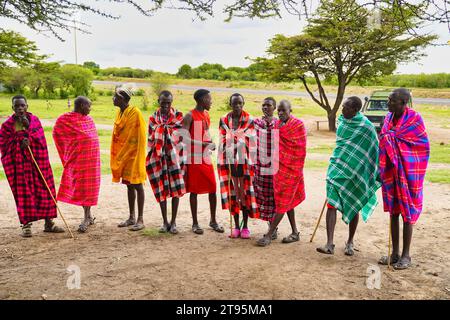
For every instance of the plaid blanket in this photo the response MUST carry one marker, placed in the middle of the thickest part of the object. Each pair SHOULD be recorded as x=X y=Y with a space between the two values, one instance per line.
x=264 y=170
x=289 y=185
x=404 y=154
x=353 y=171
x=77 y=142
x=164 y=165
x=33 y=201
x=244 y=139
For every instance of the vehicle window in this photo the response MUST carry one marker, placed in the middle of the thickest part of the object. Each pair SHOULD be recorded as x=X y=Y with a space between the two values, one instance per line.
x=377 y=105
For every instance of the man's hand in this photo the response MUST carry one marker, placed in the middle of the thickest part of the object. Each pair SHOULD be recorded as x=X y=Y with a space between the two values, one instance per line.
x=25 y=122
x=211 y=145
x=25 y=143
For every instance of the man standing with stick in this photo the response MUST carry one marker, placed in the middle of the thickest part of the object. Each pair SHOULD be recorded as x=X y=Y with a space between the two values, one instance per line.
x=19 y=135
x=404 y=154
x=352 y=173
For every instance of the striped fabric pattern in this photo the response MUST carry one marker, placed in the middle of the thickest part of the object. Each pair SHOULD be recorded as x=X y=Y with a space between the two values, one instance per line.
x=33 y=200
x=352 y=177
x=78 y=146
x=245 y=139
x=404 y=154
x=164 y=165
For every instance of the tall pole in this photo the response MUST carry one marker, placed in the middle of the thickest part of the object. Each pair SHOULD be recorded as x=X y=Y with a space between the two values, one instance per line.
x=75 y=36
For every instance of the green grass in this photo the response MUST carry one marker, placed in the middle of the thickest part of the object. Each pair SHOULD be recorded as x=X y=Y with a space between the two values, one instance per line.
x=315 y=164
x=154 y=233
x=440 y=153
x=438 y=176
x=322 y=149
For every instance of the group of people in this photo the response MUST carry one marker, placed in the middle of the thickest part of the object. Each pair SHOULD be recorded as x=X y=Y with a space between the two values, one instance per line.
x=259 y=164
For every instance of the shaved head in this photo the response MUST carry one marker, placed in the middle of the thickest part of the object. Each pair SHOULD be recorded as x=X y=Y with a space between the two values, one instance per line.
x=403 y=94
x=80 y=100
x=286 y=103
x=82 y=105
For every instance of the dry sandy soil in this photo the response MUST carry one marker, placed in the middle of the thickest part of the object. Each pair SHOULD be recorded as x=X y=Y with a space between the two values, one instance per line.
x=120 y=264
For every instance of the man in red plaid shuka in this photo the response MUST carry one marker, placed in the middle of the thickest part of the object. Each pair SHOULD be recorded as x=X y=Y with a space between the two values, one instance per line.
x=235 y=165
x=164 y=165
x=33 y=201
x=264 y=169
x=77 y=142
x=288 y=181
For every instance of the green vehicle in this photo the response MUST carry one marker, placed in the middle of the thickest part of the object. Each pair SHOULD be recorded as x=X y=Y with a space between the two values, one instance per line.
x=375 y=108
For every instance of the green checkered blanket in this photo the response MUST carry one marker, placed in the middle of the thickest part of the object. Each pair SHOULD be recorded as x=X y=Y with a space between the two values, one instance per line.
x=352 y=177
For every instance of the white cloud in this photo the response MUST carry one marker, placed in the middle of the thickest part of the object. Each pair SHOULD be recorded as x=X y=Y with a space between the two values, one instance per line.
x=171 y=38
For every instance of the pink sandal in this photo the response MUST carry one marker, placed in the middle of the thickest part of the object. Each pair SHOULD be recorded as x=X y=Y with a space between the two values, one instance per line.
x=245 y=233
x=235 y=233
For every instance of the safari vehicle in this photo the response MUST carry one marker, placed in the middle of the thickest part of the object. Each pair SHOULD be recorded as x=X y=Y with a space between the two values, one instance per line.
x=376 y=107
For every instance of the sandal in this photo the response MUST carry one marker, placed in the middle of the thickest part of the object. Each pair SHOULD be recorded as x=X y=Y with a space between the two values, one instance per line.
x=173 y=229
x=127 y=223
x=236 y=233
x=326 y=249
x=384 y=260
x=403 y=264
x=137 y=227
x=83 y=227
x=349 y=251
x=264 y=241
x=164 y=228
x=196 y=229
x=52 y=228
x=26 y=230
x=245 y=233
x=293 y=237
x=274 y=234
x=216 y=227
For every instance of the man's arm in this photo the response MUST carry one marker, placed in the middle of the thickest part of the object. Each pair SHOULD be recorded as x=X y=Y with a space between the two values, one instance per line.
x=187 y=122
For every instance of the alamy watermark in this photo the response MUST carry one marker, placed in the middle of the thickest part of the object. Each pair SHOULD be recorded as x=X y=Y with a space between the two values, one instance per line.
x=74 y=280
x=373 y=280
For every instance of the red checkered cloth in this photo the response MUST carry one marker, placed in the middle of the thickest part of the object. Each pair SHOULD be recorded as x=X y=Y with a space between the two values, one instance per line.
x=164 y=164
x=33 y=200
x=245 y=139
x=77 y=142
x=264 y=172
x=404 y=154
x=288 y=182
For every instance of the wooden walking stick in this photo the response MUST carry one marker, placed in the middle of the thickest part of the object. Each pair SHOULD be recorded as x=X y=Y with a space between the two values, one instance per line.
x=389 y=245
x=49 y=191
x=318 y=221
x=229 y=199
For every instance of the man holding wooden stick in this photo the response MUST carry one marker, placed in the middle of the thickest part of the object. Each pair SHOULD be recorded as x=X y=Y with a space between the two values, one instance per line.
x=19 y=134
x=404 y=154
x=352 y=177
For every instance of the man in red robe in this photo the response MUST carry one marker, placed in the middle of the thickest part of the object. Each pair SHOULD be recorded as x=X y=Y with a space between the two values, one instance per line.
x=20 y=133
x=200 y=178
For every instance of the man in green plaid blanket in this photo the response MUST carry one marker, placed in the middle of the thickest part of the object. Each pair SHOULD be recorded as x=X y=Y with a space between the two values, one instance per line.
x=352 y=177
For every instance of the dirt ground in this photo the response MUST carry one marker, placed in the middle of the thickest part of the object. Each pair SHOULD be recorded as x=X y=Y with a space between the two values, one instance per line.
x=120 y=264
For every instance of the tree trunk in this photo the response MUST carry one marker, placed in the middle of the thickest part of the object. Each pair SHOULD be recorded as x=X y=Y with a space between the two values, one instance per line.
x=332 y=120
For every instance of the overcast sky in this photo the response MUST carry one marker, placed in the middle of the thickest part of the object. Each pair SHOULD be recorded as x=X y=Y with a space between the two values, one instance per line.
x=171 y=38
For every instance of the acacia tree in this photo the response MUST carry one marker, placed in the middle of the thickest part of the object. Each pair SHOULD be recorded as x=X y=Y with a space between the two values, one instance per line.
x=52 y=16
x=16 y=49
x=339 y=42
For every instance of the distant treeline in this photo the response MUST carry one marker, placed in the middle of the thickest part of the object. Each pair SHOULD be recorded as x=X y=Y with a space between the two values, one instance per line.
x=53 y=80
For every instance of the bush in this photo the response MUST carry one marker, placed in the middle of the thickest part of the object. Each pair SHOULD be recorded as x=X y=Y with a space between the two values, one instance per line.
x=140 y=92
x=77 y=79
x=159 y=82
x=145 y=102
